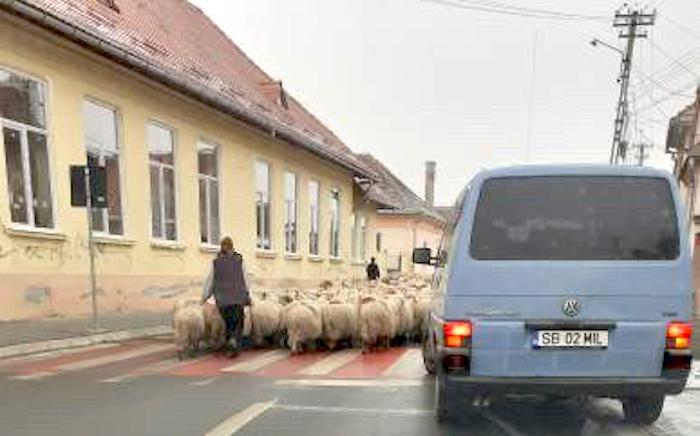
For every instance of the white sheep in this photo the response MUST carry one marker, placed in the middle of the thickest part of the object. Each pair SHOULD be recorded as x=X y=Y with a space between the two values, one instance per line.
x=265 y=320
x=375 y=323
x=188 y=327
x=421 y=309
x=339 y=322
x=303 y=323
x=214 y=326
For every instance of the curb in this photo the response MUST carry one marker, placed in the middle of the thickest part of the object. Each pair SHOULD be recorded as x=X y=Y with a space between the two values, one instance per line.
x=82 y=341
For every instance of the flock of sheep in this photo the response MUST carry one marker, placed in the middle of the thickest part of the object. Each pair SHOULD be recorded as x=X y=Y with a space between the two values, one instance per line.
x=369 y=316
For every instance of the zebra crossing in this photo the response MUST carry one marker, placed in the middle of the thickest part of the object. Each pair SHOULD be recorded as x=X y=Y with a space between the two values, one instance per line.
x=125 y=362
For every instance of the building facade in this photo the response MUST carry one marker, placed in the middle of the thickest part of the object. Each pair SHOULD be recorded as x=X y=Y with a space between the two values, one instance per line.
x=404 y=220
x=683 y=143
x=197 y=142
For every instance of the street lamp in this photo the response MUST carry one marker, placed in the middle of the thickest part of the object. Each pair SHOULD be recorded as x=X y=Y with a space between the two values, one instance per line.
x=597 y=41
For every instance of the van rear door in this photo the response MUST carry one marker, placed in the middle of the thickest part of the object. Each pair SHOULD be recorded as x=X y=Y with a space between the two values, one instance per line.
x=571 y=276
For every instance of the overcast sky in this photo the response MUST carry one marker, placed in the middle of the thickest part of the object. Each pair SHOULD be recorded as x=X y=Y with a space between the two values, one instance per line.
x=412 y=80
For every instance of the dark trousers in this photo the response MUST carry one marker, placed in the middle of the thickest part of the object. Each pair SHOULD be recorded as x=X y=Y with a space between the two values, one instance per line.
x=233 y=318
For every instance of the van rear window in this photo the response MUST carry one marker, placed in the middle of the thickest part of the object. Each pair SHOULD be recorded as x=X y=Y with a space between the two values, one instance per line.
x=575 y=218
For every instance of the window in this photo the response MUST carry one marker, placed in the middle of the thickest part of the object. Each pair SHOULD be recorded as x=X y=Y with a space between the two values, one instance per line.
x=290 y=212
x=23 y=121
x=378 y=242
x=262 y=204
x=101 y=143
x=363 y=238
x=359 y=238
x=335 y=224
x=314 y=199
x=207 y=158
x=161 y=156
x=575 y=218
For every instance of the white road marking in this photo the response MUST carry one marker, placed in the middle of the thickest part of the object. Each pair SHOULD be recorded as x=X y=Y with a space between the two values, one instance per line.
x=506 y=427
x=353 y=383
x=357 y=410
x=409 y=365
x=151 y=368
x=34 y=376
x=56 y=353
x=205 y=382
x=113 y=358
x=331 y=363
x=241 y=419
x=694 y=379
x=259 y=362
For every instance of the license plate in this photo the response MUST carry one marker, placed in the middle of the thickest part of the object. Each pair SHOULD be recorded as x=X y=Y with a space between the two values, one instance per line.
x=572 y=338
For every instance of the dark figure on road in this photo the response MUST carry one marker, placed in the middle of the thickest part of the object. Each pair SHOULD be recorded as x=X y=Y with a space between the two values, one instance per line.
x=373 y=270
x=226 y=282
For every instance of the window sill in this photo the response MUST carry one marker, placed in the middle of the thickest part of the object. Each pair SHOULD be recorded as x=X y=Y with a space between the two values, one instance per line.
x=293 y=256
x=206 y=248
x=334 y=259
x=265 y=254
x=358 y=263
x=112 y=240
x=168 y=245
x=315 y=259
x=36 y=233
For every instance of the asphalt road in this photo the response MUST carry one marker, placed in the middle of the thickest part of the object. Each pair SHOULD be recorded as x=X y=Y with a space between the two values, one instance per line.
x=139 y=389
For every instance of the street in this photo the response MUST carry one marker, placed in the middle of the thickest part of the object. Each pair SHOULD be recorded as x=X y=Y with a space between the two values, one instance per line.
x=139 y=388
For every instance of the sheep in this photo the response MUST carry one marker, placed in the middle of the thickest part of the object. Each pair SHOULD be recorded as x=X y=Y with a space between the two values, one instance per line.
x=375 y=323
x=339 y=322
x=214 y=326
x=421 y=309
x=303 y=323
x=188 y=328
x=265 y=320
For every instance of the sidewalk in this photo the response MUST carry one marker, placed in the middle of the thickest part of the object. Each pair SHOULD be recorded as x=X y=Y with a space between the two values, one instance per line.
x=21 y=337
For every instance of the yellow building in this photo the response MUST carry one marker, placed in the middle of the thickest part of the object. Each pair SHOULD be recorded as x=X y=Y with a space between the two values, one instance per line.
x=197 y=142
x=404 y=220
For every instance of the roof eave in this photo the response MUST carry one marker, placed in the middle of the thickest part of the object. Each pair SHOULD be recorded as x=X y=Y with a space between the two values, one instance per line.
x=181 y=83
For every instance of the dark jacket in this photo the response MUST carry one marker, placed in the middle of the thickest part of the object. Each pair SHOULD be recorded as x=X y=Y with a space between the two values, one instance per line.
x=373 y=271
x=226 y=281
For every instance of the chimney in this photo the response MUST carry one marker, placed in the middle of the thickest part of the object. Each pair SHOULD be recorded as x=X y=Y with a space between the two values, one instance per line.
x=430 y=183
x=275 y=92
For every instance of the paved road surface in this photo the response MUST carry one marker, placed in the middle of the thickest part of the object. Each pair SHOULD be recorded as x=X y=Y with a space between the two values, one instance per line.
x=139 y=388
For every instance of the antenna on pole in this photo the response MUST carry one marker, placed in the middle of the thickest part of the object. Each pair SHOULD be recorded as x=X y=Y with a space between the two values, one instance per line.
x=632 y=23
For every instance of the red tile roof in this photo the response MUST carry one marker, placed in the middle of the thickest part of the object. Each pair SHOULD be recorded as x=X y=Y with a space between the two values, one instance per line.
x=177 y=38
x=395 y=197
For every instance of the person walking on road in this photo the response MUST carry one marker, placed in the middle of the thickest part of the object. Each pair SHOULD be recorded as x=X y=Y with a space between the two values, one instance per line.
x=373 y=270
x=226 y=281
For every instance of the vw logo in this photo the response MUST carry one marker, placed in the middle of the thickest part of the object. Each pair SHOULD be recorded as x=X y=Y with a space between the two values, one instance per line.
x=571 y=307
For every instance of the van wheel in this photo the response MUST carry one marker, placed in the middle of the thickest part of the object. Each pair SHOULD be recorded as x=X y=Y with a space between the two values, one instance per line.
x=428 y=358
x=643 y=410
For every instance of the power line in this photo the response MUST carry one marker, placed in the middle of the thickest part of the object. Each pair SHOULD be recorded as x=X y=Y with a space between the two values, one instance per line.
x=673 y=59
x=515 y=12
x=506 y=6
x=680 y=26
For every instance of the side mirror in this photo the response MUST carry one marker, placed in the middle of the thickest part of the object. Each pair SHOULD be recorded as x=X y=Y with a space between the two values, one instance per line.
x=422 y=256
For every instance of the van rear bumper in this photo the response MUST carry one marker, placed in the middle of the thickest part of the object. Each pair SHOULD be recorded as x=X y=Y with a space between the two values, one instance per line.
x=594 y=386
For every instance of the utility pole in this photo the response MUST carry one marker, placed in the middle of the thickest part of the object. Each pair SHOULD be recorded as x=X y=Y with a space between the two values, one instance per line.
x=642 y=155
x=632 y=22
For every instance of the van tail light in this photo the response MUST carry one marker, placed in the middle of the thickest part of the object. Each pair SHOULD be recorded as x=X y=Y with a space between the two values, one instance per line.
x=678 y=335
x=457 y=334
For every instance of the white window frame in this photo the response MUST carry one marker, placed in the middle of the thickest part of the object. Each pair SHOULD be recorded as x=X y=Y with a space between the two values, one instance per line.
x=23 y=130
x=334 y=249
x=291 y=211
x=209 y=179
x=260 y=240
x=161 y=180
x=314 y=218
x=104 y=213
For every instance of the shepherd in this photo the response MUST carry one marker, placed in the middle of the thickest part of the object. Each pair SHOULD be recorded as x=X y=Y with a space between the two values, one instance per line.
x=226 y=281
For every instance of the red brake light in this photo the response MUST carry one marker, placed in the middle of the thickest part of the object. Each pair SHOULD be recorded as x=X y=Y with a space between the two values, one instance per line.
x=678 y=335
x=455 y=332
